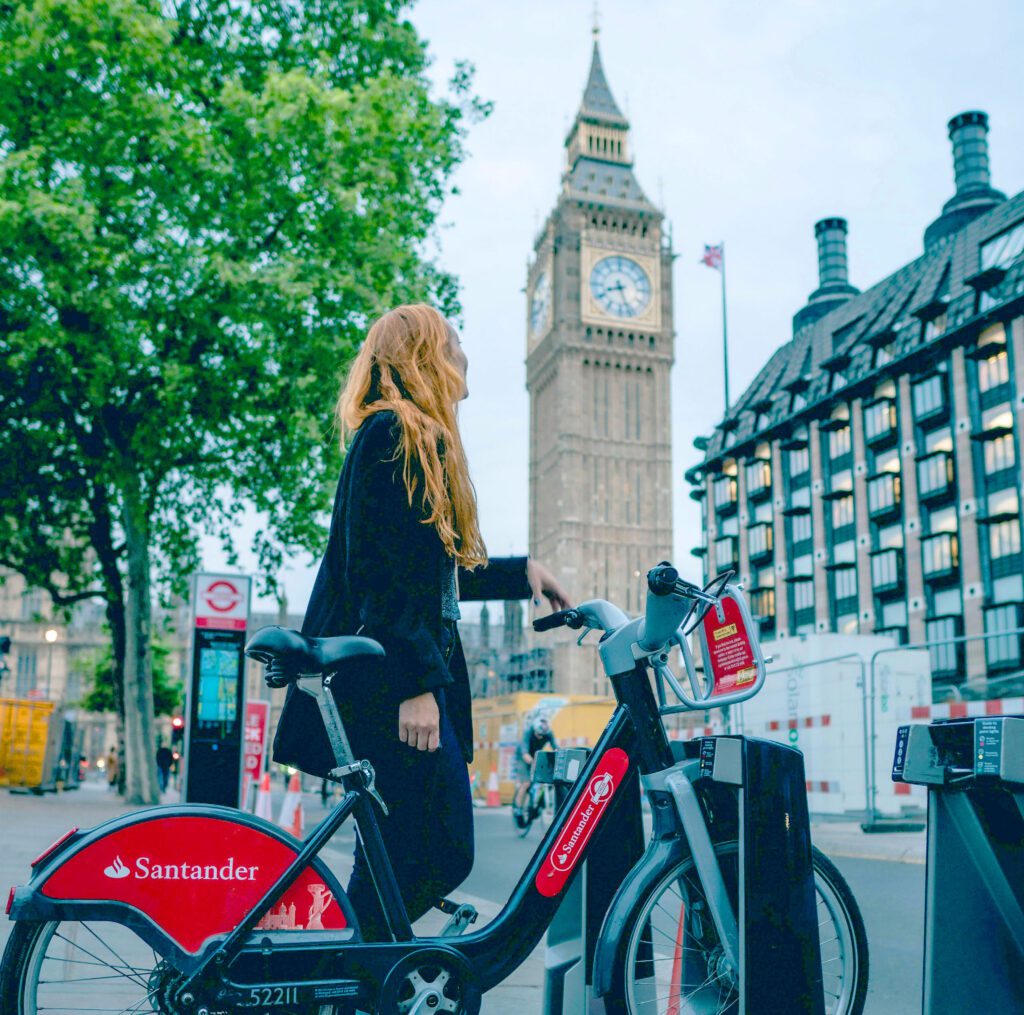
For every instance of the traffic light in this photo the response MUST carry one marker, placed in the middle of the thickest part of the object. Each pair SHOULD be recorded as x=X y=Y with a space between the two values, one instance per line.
x=5 y=645
x=177 y=730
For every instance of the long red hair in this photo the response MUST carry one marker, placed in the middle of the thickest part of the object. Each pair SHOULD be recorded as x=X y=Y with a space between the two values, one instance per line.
x=405 y=365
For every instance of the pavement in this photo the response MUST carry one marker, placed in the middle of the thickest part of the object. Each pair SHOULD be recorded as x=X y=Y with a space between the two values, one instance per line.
x=28 y=824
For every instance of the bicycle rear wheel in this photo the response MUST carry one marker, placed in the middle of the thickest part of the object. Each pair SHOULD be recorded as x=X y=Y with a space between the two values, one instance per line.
x=672 y=962
x=103 y=968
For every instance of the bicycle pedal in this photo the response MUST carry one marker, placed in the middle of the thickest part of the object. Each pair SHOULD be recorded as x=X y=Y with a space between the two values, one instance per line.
x=461 y=916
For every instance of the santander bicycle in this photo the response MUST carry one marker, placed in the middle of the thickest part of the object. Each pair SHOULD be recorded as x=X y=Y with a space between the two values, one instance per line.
x=204 y=910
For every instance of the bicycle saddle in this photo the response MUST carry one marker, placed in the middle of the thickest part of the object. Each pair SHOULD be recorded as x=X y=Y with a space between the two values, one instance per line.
x=289 y=653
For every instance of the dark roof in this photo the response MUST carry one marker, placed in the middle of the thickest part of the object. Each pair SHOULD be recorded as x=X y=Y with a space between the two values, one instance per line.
x=598 y=102
x=598 y=181
x=889 y=312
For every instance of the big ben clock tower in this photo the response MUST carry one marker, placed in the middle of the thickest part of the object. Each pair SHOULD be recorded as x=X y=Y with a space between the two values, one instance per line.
x=599 y=352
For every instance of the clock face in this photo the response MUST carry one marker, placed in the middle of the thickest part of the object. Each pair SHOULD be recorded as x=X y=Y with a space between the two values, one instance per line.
x=540 y=302
x=620 y=286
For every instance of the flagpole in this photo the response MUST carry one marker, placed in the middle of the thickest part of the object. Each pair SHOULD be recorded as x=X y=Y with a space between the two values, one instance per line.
x=725 y=335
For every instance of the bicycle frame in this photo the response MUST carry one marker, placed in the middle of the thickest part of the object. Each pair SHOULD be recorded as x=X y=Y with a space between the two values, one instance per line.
x=633 y=742
x=330 y=966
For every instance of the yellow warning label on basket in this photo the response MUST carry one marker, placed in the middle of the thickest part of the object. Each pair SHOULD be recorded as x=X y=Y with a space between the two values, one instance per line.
x=724 y=632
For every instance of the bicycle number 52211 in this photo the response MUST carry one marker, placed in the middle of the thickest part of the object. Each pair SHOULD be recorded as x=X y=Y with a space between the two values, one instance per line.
x=271 y=997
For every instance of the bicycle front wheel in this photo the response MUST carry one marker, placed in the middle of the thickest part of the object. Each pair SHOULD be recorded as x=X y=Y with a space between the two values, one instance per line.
x=672 y=962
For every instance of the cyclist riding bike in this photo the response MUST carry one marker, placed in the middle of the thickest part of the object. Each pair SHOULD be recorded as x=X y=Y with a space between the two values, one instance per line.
x=538 y=735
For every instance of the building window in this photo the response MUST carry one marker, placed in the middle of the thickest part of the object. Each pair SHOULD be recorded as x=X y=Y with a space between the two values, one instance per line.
x=25 y=674
x=799 y=462
x=847 y=623
x=725 y=553
x=1004 y=547
x=883 y=355
x=945 y=656
x=940 y=556
x=839 y=444
x=994 y=371
x=999 y=454
x=759 y=478
x=801 y=531
x=845 y=585
x=1004 y=248
x=890 y=538
x=762 y=605
x=935 y=475
x=725 y=493
x=929 y=397
x=759 y=541
x=887 y=571
x=803 y=567
x=935 y=326
x=880 y=421
x=1002 y=650
x=895 y=614
x=883 y=495
x=842 y=512
x=803 y=596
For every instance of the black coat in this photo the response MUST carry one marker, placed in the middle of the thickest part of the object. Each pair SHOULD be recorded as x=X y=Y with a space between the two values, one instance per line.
x=382 y=576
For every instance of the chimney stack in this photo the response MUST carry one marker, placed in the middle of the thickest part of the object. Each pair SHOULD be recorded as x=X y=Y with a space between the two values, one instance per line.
x=970 y=151
x=832 y=266
x=834 y=286
x=974 y=193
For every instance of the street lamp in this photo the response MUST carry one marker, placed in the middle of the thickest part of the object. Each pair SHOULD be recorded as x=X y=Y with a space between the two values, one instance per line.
x=50 y=636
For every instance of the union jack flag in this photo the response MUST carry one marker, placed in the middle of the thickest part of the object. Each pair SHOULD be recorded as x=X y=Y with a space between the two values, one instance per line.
x=712 y=256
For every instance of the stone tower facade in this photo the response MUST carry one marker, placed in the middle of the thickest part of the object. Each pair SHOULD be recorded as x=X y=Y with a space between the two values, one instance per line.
x=599 y=352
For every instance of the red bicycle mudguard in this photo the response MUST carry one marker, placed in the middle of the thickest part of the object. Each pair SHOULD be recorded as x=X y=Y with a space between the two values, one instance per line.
x=180 y=876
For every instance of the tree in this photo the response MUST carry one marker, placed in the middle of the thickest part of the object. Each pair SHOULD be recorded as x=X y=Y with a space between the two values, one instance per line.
x=101 y=696
x=201 y=207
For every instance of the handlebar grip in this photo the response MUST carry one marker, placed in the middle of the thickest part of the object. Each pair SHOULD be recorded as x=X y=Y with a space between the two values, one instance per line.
x=561 y=618
x=661 y=580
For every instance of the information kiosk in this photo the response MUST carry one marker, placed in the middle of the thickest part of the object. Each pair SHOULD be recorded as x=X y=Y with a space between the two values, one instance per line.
x=215 y=708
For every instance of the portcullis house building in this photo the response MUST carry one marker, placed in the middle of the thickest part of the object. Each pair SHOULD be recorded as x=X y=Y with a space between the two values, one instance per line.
x=869 y=479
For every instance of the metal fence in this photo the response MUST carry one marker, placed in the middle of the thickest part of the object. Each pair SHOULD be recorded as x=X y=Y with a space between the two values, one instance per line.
x=886 y=700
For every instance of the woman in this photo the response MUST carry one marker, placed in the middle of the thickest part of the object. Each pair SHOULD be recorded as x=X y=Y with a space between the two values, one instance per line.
x=404 y=547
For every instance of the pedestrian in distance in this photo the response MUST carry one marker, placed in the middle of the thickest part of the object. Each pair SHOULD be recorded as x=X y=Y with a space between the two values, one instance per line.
x=111 y=767
x=404 y=548
x=164 y=760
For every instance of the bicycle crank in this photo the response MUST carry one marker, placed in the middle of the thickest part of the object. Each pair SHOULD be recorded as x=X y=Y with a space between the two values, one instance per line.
x=430 y=980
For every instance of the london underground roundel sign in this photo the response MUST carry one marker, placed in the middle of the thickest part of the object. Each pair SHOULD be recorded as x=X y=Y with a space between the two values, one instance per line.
x=222 y=601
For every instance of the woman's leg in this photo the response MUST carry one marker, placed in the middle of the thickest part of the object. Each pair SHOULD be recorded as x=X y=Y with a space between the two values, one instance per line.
x=429 y=831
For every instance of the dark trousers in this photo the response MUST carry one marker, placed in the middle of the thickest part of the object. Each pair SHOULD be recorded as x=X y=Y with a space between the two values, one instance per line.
x=429 y=831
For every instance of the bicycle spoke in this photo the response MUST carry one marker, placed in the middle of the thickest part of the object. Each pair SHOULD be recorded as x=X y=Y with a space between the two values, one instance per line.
x=74 y=944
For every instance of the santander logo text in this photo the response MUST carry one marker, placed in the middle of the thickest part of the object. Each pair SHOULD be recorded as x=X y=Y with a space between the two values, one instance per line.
x=144 y=869
x=580 y=825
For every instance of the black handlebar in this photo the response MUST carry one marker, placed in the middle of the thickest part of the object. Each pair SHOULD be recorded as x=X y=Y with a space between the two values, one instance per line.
x=562 y=618
x=661 y=580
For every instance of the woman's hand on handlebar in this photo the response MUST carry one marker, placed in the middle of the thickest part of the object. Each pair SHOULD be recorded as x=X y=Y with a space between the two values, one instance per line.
x=544 y=583
x=419 y=722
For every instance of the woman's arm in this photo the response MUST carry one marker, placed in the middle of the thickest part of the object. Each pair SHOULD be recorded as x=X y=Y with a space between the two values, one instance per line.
x=512 y=578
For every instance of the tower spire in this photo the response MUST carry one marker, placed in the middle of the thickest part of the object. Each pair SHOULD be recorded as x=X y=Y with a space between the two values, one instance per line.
x=598 y=102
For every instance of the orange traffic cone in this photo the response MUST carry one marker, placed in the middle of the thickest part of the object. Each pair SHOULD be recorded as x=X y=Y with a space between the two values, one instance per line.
x=262 y=809
x=291 y=809
x=493 y=794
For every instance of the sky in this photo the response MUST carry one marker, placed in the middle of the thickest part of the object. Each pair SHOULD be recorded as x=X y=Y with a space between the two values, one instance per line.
x=750 y=121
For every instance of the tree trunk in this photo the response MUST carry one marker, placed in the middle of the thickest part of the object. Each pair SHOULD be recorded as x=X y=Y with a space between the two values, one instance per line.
x=118 y=635
x=140 y=741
